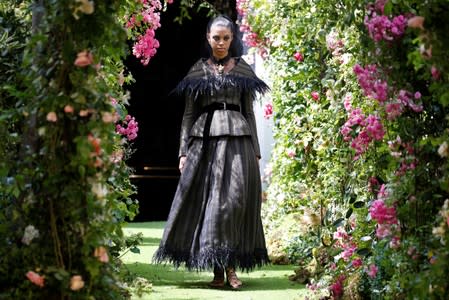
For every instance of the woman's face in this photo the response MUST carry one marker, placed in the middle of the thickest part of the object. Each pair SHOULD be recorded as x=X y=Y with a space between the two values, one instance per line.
x=219 y=38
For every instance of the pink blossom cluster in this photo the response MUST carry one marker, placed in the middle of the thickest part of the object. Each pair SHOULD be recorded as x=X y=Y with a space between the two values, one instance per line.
x=380 y=27
x=382 y=214
x=369 y=81
x=348 y=250
x=404 y=99
x=298 y=56
x=405 y=153
x=435 y=73
x=357 y=262
x=373 y=87
x=344 y=241
x=129 y=128
x=145 y=47
x=371 y=127
x=291 y=153
x=268 y=110
x=385 y=216
x=146 y=44
x=347 y=102
x=250 y=37
x=361 y=130
x=372 y=270
x=373 y=184
x=341 y=234
x=337 y=287
x=334 y=44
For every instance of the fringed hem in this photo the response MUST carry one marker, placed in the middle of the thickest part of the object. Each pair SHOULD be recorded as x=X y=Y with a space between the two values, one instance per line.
x=208 y=258
x=208 y=85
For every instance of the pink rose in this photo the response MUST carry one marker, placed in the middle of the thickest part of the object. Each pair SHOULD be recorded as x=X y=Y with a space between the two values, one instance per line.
x=268 y=110
x=435 y=73
x=102 y=254
x=357 y=262
x=416 y=22
x=36 y=278
x=83 y=59
x=298 y=56
x=372 y=270
x=315 y=95
x=52 y=117
x=68 y=109
x=395 y=242
x=291 y=153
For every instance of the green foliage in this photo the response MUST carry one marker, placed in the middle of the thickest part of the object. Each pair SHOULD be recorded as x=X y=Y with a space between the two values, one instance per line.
x=65 y=191
x=315 y=169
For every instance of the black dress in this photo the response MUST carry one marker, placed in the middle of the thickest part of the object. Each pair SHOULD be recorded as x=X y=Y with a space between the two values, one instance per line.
x=215 y=215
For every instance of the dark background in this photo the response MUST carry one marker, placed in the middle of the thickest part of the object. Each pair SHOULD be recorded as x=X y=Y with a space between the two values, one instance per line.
x=158 y=113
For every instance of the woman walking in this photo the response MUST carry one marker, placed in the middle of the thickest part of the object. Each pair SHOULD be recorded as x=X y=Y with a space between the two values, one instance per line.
x=214 y=222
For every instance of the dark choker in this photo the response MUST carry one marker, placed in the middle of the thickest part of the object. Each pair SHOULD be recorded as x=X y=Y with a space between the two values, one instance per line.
x=221 y=61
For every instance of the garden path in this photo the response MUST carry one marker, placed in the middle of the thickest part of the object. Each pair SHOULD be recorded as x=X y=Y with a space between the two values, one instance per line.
x=267 y=283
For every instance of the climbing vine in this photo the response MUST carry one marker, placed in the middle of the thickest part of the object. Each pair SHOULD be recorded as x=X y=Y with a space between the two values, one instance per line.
x=66 y=135
x=359 y=168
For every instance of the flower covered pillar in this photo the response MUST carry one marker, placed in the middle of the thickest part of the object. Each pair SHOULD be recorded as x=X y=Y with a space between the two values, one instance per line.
x=360 y=158
x=67 y=193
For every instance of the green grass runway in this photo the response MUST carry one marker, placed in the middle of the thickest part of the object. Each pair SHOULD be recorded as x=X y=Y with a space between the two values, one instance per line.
x=267 y=283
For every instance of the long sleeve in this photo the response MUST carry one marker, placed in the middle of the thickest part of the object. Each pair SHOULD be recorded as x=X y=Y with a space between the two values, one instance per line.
x=186 y=125
x=249 y=114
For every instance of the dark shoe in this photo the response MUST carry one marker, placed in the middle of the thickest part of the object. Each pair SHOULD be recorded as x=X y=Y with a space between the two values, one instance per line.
x=233 y=281
x=218 y=281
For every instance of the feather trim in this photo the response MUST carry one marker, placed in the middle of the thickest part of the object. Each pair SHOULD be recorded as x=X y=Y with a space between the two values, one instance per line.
x=207 y=258
x=200 y=81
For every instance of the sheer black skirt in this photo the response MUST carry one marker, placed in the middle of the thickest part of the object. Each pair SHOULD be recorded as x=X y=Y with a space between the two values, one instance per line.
x=215 y=215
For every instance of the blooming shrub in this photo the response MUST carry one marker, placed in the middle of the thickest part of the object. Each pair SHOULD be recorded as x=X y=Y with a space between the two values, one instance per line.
x=65 y=191
x=360 y=91
x=142 y=25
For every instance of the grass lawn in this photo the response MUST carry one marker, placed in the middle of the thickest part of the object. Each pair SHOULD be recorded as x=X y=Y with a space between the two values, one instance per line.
x=267 y=283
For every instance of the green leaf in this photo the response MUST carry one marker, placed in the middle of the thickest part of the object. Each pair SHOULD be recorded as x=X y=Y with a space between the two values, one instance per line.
x=338 y=222
x=352 y=199
x=388 y=8
x=359 y=204
x=135 y=250
x=349 y=213
x=364 y=251
x=444 y=99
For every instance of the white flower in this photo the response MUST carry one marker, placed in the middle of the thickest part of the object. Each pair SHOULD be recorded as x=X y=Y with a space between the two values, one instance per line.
x=100 y=190
x=29 y=234
x=442 y=150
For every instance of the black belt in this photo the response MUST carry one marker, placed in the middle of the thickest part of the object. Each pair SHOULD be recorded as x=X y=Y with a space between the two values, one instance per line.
x=210 y=113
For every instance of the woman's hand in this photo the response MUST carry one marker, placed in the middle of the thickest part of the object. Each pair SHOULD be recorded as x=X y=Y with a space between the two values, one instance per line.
x=182 y=161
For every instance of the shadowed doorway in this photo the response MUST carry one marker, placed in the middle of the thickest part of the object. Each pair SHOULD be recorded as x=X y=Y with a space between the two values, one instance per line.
x=158 y=113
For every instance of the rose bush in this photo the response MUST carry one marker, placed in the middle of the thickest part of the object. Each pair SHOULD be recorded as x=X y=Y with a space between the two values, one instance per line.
x=65 y=191
x=359 y=97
